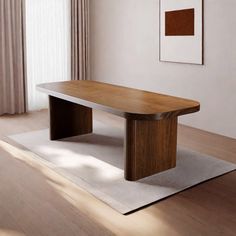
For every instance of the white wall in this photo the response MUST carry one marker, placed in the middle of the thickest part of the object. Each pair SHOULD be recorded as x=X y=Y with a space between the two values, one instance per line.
x=124 y=51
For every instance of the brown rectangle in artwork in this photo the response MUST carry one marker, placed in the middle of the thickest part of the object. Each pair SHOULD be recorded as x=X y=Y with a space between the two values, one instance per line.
x=179 y=22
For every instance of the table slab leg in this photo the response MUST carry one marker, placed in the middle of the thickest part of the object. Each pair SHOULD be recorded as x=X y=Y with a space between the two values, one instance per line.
x=68 y=119
x=150 y=147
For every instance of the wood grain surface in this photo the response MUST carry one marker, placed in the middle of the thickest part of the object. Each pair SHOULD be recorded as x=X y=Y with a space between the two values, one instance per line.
x=150 y=147
x=125 y=102
x=68 y=119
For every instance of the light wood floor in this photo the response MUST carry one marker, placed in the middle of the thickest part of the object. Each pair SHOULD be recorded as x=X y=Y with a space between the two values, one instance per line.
x=36 y=201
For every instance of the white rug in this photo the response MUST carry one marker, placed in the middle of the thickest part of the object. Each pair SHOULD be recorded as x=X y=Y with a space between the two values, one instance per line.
x=95 y=162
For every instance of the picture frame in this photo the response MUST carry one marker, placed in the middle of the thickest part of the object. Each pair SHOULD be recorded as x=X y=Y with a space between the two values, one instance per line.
x=181 y=25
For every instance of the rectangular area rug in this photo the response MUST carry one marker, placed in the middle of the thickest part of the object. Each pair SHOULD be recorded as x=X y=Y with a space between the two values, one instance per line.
x=95 y=162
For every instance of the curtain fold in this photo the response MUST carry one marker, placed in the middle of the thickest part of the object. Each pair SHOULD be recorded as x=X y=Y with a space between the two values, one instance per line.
x=12 y=57
x=79 y=39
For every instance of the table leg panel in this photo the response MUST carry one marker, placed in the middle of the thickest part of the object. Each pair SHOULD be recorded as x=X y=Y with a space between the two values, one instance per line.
x=68 y=119
x=150 y=147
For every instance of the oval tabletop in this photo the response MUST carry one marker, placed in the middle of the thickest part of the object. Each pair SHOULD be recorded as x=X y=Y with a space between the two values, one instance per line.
x=122 y=101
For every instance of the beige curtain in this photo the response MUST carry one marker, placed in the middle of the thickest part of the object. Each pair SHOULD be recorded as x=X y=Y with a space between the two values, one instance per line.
x=12 y=57
x=79 y=39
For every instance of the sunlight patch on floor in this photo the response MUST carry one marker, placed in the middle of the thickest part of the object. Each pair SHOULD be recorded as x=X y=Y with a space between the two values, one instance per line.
x=89 y=164
x=84 y=201
x=8 y=232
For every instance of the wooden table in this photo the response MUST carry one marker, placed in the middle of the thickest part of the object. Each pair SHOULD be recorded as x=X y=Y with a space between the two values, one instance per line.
x=151 y=120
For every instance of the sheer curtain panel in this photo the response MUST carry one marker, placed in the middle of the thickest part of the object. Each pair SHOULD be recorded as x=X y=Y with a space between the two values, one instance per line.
x=48 y=30
x=12 y=57
x=79 y=39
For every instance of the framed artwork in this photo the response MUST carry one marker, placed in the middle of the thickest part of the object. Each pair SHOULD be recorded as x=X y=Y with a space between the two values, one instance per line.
x=181 y=31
